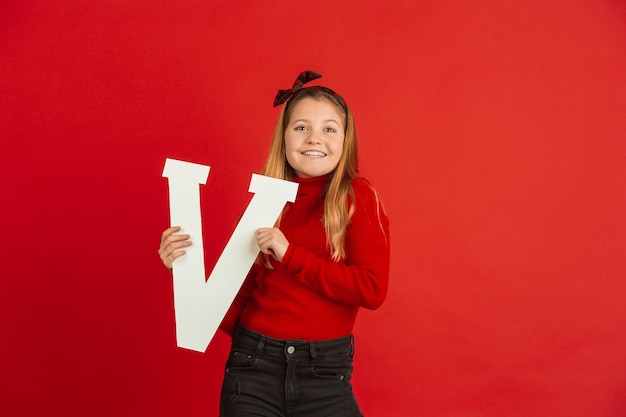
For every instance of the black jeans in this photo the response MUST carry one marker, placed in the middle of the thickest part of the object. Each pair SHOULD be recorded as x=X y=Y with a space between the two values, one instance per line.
x=268 y=377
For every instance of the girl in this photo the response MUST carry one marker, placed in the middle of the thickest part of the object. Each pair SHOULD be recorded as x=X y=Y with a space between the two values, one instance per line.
x=292 y=320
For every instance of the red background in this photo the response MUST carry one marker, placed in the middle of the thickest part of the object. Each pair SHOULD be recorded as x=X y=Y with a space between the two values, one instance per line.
x=493 y=130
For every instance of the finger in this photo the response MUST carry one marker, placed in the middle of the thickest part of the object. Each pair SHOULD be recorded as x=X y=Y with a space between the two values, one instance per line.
x=264 y=241
x=167 y=250
x=169 y=231
x=175 y=238
x=175 y=242
x=170 y=258
x=264 y=231
x=169 y=236
x=177 y=245
x=177 y=254
x=266 y=250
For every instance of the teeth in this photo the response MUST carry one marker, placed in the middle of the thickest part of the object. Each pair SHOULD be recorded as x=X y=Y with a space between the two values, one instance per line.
x=313 y=153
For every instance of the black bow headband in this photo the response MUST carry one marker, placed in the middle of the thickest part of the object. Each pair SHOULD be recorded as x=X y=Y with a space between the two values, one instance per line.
x=303 y=78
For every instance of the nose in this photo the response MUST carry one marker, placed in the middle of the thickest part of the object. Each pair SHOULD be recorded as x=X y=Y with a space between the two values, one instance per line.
x=314 y=137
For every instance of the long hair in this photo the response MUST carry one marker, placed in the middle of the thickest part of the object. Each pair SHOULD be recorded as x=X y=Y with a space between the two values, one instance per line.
x=339 y=195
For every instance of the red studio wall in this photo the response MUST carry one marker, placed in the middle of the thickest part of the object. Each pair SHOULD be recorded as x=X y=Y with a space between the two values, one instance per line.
x=494 y=131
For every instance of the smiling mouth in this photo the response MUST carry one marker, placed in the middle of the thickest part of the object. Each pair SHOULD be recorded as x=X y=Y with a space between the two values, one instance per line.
x=314 y=154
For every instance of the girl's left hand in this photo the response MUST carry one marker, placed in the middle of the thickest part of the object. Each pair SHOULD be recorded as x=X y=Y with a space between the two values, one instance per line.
x=273 y=242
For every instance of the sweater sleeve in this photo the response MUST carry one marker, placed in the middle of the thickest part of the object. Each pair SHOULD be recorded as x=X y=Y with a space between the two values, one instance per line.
x=362 y=278
x=230 y=321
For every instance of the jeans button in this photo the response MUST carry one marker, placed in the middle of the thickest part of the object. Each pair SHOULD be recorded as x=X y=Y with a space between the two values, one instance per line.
x=291 y=349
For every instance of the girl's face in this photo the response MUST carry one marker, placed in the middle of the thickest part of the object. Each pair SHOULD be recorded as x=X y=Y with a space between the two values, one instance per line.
x=314 y=138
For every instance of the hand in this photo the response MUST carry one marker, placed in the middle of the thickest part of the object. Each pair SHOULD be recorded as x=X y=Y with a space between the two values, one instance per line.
x=271 y=241
x=171 y=245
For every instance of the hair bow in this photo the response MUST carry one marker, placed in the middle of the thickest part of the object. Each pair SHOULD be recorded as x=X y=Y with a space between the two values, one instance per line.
x=303 y=78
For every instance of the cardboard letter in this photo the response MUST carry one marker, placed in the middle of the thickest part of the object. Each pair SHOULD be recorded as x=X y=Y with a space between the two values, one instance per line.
x=200 y=306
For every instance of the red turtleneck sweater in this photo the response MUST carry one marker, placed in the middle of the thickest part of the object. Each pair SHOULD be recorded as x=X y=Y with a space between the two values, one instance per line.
x=308 y=296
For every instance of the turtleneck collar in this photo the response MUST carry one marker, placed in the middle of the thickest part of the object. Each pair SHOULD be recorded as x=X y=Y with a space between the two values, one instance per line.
x=307 y=186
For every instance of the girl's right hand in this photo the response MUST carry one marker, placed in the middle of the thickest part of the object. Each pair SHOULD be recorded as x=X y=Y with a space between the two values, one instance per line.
x=171 y=245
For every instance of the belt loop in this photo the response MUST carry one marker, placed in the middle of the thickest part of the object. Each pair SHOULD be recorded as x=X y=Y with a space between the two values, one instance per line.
x=259 y=347
x=312 y=350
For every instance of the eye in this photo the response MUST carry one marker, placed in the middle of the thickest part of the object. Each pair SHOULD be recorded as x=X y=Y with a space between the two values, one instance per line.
x=300 y=128
x=330 y=130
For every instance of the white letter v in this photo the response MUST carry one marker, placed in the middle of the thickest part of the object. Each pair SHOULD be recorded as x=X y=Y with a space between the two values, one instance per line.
x=199 y=305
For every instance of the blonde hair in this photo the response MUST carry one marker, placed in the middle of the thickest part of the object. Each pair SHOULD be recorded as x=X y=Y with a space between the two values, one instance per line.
x=339 y=195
